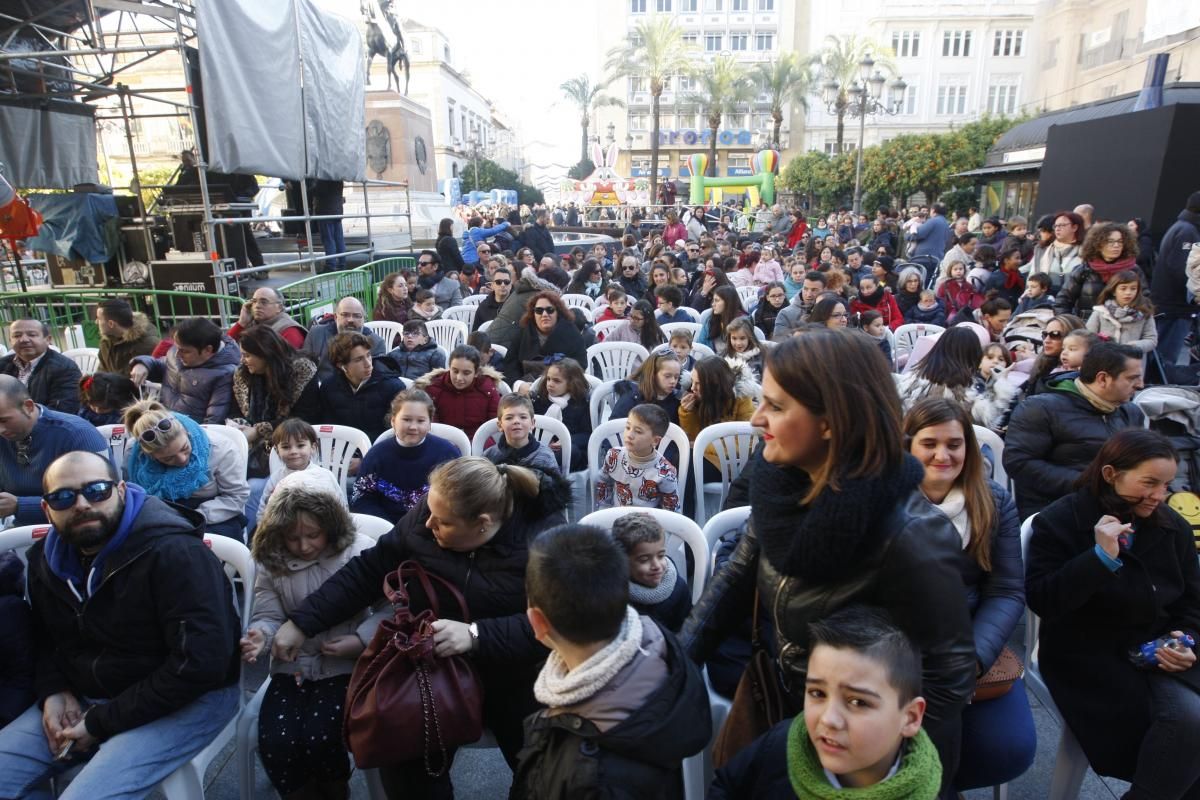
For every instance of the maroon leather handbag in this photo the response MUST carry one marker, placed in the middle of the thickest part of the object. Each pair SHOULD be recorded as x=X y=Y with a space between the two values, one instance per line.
x=405 y=703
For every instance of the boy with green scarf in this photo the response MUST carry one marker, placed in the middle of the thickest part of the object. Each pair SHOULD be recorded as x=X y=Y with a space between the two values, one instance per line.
x=859 y=737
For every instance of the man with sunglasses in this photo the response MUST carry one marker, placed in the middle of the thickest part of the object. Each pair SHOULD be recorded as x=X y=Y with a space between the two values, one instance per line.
x=137 y=639
x=446 y=290
x=31 y=437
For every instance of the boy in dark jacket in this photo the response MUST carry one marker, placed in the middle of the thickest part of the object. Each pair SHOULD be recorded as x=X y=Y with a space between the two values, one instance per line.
x=16 y=657
x=928 y=310
x=417 y=354
x=656 y=588
x=625 y=706
x=1036 y=294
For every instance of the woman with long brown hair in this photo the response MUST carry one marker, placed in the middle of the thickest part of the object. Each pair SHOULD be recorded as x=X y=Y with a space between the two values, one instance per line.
x=999 y=741
x=393 y=302
x=548 y=327
x=1109 y=248
x=837 y=518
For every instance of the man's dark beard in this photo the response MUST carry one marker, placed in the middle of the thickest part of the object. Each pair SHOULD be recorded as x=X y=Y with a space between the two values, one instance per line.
x=92 y=538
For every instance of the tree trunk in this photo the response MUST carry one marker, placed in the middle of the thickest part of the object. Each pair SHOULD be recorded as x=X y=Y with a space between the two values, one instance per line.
x=712 y=150
x=841 y=126
x=777 y=115
x=654 y=97
x=583 y=154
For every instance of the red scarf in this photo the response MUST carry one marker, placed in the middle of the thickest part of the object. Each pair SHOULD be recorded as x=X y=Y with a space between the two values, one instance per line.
x=1013 y=280
x=1106 y=270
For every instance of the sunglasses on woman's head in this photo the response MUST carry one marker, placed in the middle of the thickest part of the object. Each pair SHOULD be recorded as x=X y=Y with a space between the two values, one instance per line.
x=154 y=433
x=94 y=492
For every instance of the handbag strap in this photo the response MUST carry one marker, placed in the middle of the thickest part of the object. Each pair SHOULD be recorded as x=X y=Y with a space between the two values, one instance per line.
x=396 y=590
x=755 y=638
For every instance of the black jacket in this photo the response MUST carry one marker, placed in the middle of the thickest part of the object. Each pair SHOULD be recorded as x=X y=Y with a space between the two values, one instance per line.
x=1091 y=616
x=367 y=409
x=485 y=311
x=449 y=254
x=637 y=289
x=491 y=578
x=670 y=613
x=629 y=396
x=54 y=382
x=1052 y=437
x=159 y=630
x=16 y=632
x=567 y=757
x=524 y=358
x=1080 y=290
x=1169 y=291
x=538 y=239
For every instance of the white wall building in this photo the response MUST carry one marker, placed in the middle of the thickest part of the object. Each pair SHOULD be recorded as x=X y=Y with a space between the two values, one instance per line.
x=752 y=31
x=465 y=123
x=960 y=61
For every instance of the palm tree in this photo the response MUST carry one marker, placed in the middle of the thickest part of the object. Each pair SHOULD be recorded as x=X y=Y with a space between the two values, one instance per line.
x=587 y=97
x=655 y=51
x=787 y=79
x=719 y=90
x=839 y=62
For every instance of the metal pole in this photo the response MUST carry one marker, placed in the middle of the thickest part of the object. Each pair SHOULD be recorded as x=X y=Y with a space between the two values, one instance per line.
x=862 y=127
x=304 y=176
x=210 y=229
x=136 y=184
x=367 y=214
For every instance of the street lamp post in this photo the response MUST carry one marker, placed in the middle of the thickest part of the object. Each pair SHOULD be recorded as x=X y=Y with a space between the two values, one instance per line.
x=862 y=98
x=475 y=160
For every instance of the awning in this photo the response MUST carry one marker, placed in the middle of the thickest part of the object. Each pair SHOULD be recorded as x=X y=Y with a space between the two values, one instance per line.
x=1000 y=169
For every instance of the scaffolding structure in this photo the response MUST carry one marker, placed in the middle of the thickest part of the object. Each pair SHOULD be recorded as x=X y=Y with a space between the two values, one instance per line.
x=78 y=51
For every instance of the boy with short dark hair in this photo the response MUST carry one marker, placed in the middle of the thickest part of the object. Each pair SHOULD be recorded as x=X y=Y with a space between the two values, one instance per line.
x=656 y=588
x=625 y=705
x=417 y=353
x=636 y=474
x=670 y=298
x=488 y=357
x=1036 y=295
x=860 y=733
x=516 y=444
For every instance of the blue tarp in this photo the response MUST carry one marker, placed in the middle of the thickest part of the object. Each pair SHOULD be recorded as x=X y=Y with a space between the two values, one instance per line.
x=76 y=226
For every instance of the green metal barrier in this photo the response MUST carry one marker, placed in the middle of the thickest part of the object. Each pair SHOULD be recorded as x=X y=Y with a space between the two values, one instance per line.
x=309 y=298
x=382 y=267
x=61 y=309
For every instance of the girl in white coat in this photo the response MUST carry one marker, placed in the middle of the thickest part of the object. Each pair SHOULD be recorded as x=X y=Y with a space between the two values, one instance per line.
x=1123 y=314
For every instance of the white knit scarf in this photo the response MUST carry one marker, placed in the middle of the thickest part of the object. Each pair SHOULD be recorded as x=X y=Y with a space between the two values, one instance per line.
x=954 y=506
x=557 y=404
x=646 y=596
x=557 y=686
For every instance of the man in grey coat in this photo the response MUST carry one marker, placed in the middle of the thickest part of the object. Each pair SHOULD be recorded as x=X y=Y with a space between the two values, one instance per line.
x=349 y=317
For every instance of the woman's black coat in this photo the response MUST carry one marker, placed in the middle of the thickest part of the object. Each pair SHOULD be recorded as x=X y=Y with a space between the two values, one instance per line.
x=565 y=339
x=1091 y=616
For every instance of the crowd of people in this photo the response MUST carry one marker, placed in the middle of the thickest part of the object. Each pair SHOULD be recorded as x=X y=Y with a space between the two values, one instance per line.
x=871 y=593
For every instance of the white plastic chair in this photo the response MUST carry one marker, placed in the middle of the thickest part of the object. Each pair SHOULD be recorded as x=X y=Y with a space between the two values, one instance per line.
x=483 y=326
x=473 y=299
x=734 y=442
x=670 y=327
x=676 y=526
x=700 y=351
x=601 y=401
x=370 y=525
x=545 y=429
x=21 y=539
x=499 y=348
x=464 y=314
x=758 y=333
x=119 y=443
x=749 y=296
x=722 y=524
x=338 y=445
x=1070 y=763
x=390 y=332
x=448 y=333
x=691 y=312
x=602 y=329
x=579 y=301
x=906 y=337
x=86 y=358
x=986 y=436
x=615 y=360
x=454 y=435
x=613 y=431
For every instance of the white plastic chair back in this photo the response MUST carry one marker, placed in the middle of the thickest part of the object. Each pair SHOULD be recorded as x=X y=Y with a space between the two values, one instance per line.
x=370 y=525
x=891 y=340
x=450 y=433
x=390 y=332
x=907 y=335
x=545 y=429
x=758 y=333
x=448 y=333
x=700 y=351
x=734 y=442
x=691 y=312
x=587 y=313
x=601 y=401
x=499 y=348
x=579 y=301
x=119 y=443
x=749 y=296
x=18 y=540
x=483 y=326
x=613 y=431
x=73 y=338
x=986 y=436
x=677 y=527
x=720 y=525
x=338 y=444
x=602 y=329
x=474 y=299
x=615 y=360
x=86 y=358
x=670 y=327
x=463 y=313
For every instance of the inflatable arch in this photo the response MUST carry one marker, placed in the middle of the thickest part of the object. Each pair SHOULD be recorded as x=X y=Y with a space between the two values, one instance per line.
x=760 y=185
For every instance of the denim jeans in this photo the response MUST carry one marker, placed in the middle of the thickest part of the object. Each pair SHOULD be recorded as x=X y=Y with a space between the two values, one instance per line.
x=1167 y=767
x=129 y=765
x=998 y=740
x=333 y=239
x=1172 y=335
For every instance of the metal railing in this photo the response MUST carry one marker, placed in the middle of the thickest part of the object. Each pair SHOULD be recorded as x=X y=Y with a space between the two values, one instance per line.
x=381 y=268
x=309 y=298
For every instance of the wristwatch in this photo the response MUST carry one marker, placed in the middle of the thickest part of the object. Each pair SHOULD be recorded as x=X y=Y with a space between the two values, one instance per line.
x=473 y=629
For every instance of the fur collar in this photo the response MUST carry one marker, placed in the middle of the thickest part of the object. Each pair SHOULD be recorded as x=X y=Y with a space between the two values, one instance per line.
x=140 y=328
x=744 y=384
x=485 y=371
x=303 y=371
x=824 y=541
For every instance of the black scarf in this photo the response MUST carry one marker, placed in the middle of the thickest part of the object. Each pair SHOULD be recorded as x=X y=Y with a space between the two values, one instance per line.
x=873 y=298
x=824 y=541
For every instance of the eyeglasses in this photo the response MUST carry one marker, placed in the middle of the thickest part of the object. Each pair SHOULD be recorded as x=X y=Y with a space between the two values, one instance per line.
x=545 y=310
x=1058 y=225
x=156 y=432
x=1114 y=242
x=94 y=492
x=1052 y=334
x=501 y=283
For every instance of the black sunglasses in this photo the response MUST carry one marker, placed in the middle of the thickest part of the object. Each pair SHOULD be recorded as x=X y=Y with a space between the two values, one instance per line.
x=501 y=283
x=424 y=263
x=1052 y=334
x=153 y=434
x=545 y=310
x=94 y=492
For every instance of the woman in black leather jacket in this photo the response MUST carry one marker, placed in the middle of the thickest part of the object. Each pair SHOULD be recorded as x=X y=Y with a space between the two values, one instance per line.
x=837 y=519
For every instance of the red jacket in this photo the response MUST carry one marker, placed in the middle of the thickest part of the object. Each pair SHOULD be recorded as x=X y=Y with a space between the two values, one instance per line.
x=798 y=231
x=888 y=307
x=467 y=408
x=957 y=295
